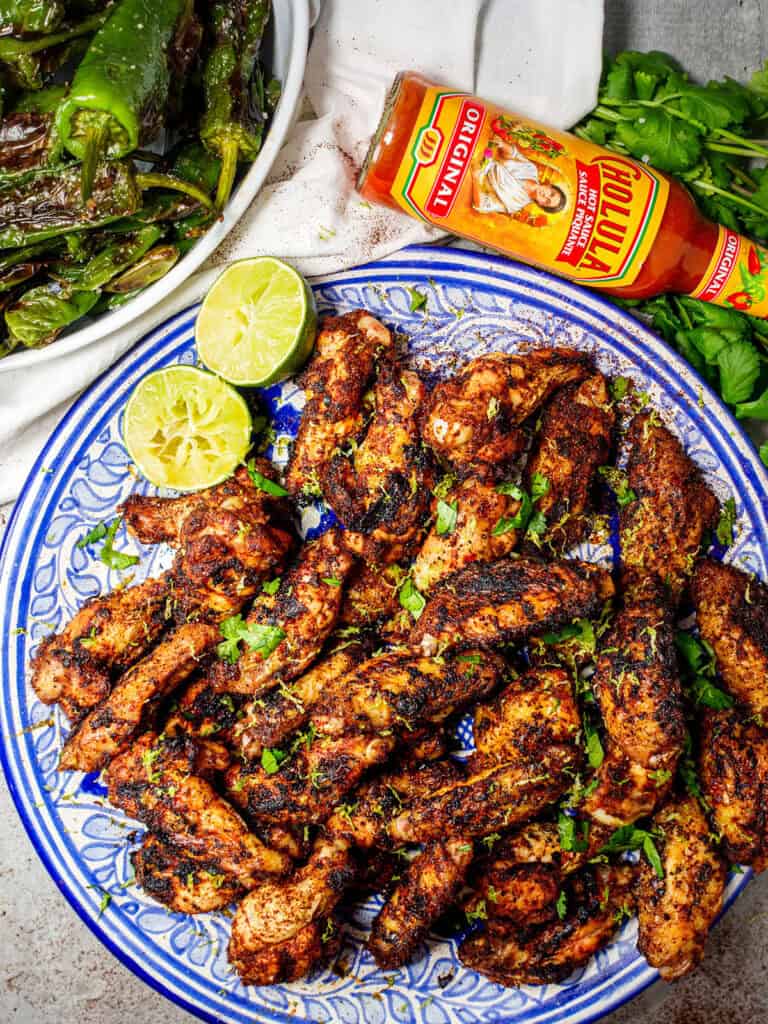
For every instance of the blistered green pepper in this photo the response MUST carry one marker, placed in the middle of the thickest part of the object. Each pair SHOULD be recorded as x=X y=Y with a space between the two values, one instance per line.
x=25 y=218
x=30 y=17
x=23 y=58
x=119 y=91
x=42 y=313
x=113 y=259
x=233 y=125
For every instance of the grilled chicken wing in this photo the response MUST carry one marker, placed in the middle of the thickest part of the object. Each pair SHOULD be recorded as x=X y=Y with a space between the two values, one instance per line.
x=370 y=595
x=228 y=545
x=550 y=953
x=432 y=881
x=526 y=755
x=661 y=531
x=637 y=685
x=268 y=722
x=473 y=417
x=335 y=381
x=574 y=441
x=624 y=791
x=155 y=781
x=732 y=611
x=381 y=493
x=106 y=636
x=357 y=726
x=482 y=532
x=183 y=881
x=281 y=929
x=305 y=609
x=508 y=601
x=733 y=768
x=113 y=723
x=676 y=911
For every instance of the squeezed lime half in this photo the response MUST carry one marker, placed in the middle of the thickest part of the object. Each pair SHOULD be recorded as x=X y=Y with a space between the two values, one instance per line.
x=257 y=324
x=186 y=428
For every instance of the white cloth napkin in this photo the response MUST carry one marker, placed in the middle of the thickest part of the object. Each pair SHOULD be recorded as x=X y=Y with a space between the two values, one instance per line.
x=542 y=57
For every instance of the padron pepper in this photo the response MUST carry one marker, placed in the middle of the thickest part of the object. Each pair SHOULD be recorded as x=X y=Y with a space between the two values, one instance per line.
x=119 y=92
x=232 y=125
x=30 y=17
x=23 y=59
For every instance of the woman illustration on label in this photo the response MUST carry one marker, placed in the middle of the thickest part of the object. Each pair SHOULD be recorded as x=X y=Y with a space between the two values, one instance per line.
x=507 y=181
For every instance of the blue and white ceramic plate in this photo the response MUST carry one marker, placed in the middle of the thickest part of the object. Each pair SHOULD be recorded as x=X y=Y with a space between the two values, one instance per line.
x=475 y=304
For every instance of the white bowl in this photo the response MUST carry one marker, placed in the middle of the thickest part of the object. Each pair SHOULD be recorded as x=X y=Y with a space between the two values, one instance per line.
x=289 y=37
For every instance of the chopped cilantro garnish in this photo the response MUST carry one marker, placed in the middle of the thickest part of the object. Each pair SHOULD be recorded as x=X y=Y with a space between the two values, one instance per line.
x=271 y=586
x=97 y=533
x=332 y=581
x=480 y=913
x=726 y=523
x=447 y=513
x=698 y=678
x=411 y=599
x=562 y=905
x=573 y=833
x=271 y=759
x=418 y=300
x=627 y=837
x=619 y=386
x=264 y=483
x=256 y=636
x=617 y=481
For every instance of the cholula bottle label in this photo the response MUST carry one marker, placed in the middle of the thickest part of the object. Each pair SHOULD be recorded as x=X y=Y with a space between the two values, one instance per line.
x=543 y=196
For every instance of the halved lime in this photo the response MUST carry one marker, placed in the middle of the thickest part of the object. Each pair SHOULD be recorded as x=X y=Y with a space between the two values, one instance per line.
x=185 y=428
x=257 y=323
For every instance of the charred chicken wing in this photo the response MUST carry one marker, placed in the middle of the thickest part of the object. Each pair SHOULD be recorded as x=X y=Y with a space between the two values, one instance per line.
x=732 y=611
x=662 y=527
x=335 y=382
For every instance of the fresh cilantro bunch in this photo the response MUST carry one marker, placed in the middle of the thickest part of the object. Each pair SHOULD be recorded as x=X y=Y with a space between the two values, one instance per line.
x=709 y=137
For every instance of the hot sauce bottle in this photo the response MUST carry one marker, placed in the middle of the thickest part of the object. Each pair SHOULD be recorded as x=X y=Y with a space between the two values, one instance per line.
x=551 y=199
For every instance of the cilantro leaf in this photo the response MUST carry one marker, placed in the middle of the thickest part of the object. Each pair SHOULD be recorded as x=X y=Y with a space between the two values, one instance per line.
x=654 y=136
x=263 y=482
x=418 y=300
x=271 y=586
x=595 y=752
x=118 y=560
x=271 y=759
x=411 y=599
x=619 y=386
x=627 y=837
x=520 y=519
x=726 y=523
x=756 y=409
x=447 y=513
x=255 y=635
x=537 y=524
x=562 y=905
x=700 y=669
x=715 y=105
x=739 y=365
x=573 y=833
x=705 y=693
x=539 y=486
x=97 y=533
x=332 y=581
x=617 y=481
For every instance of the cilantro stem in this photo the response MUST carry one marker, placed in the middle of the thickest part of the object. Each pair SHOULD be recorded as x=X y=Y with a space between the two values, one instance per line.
x=721 y=147
x=752 y=144
x=708 y=187
x=741 y=175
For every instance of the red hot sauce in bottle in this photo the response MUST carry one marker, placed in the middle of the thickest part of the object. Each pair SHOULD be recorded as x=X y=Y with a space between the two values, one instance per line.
x=551 y=199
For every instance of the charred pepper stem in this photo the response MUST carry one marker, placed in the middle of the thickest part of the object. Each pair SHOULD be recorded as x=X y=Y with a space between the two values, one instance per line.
x=121 y=86
x=168 y=181
x=231 y=128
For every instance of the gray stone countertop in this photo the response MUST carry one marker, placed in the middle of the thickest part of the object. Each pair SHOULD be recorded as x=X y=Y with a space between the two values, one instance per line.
x=53 y=969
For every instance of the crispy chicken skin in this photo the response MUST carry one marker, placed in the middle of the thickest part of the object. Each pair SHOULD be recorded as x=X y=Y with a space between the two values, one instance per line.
x=357 y=726
x=508 y=601
x=281 y=928
x=732 y=611
x=637 y=685
x=432 y=882
x=733 y=768
x=474 y=416
x=113 y=723
x=661 y=532
x=335 y=381
x=268 y=722
x=305 y=607
x=155 y=781
x=107 y=635
x=370 y=595
x=625 y=791
x=525 y=758
x=480 y=509
x=548 y=954
x=381 y=493
x=185 y=882
x=227 y=548
x=573 y=442
x=676 y=912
